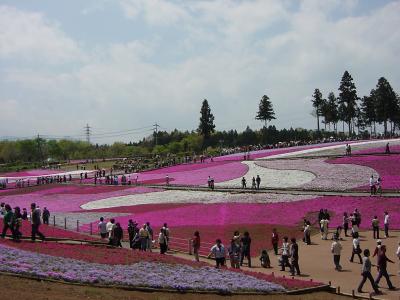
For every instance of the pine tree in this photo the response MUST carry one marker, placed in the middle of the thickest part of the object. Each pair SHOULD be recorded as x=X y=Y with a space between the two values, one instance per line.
x=386 y=103
x=348 y=97
x=317 y=103
x=206 y=126
x=332 y=111
x=368 y=110
x=265 y=110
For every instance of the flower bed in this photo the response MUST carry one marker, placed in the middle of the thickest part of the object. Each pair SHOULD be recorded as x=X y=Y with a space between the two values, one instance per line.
x=387 y=166
x=337 y=177
x=142 y=274
x=204 y=197
x=67 y=198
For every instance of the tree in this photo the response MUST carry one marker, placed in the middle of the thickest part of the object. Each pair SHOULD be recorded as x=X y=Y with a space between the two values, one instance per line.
x=348 y=97
x=368 y=110
x=206 y=126
x=333 y=113
x=386 y=103
x=265 y=110
x=317 y=103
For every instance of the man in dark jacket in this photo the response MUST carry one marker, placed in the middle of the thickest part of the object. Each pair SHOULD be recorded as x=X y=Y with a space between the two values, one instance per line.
x=35 y=221
x=46 y=216
x=118 y=235
x=382 y=265
x=294 y=257
x=245 y=252
x=8 y=221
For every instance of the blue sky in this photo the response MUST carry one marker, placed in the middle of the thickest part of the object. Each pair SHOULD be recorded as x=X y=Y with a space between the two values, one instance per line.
x=125 y=64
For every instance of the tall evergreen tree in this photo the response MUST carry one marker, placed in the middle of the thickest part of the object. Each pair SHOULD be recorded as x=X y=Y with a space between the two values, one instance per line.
x=368 y=110
x=265 y=110
x=386 y=103
x=333 y=113
x=317 y=103
x=206 y=126
x=348 y=97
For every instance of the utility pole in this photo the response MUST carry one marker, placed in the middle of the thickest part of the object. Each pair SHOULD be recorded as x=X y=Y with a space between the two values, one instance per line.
x=156 y=133
x=39 y=149
x=87 y=133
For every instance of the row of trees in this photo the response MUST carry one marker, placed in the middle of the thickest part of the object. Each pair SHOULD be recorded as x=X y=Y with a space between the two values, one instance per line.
x=381 y=106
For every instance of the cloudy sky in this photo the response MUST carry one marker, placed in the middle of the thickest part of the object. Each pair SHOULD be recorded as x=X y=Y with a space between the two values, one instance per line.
x=124 y=65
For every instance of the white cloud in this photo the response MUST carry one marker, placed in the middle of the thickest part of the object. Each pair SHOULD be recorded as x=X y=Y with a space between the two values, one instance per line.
x=29 y=36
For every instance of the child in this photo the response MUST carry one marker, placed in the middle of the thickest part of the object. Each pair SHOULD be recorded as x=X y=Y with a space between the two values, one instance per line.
x=264 y=258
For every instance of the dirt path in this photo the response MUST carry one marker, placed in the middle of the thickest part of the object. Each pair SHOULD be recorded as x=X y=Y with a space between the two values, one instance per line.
x=316 y=262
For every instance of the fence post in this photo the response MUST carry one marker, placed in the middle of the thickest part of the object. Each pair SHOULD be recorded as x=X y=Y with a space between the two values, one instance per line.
x=190 y=246
x=65 y=223
x=77 y=225
x=54 y=220
x=91 y=229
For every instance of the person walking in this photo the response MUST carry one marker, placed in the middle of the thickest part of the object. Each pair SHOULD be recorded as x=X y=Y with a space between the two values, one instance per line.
x=118 y=235
x=366 y=273
x=336 y=249
x=345 y=223
x=253 y=183
x=132 y=230
x=150 y=236
x=17 y=222
x=307 y=233
x=324 y=228
x=196 y=245
x=258 y=180
x=35 y=221
x=275 y=240
x=386 y=224
x=294 y=257
x=382 y=265
x=102 y=226
x=372 y=185
x=110 y=230
x=218 y=251
x=144 y=235
x=375 y=227
x=8 y=222
x=243 y=183
x=285 y=254
x=45 y=216
x=356 y=250
x=245 y=243
x=162 y=241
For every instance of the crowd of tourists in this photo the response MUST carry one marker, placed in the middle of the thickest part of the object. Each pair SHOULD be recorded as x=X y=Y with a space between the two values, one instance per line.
x=13 y=220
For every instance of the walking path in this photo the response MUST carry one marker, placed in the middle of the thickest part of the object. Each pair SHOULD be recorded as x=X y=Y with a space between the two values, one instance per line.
x=316 y=262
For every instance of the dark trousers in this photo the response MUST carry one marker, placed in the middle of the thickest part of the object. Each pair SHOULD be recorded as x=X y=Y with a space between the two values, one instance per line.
x=345 y=228
x=386 y=230
x=308 y=238
x=285 y=262
x=367 y=275
x=354 y=252
x=375 y=230
x=163 y=248
x=5 y=228
x=275 y=245
x=243 y=255
x=295 y=266
x=46 y=221
x=220 y=262
x=383 y=273
x=35 y=231
x=336 y=261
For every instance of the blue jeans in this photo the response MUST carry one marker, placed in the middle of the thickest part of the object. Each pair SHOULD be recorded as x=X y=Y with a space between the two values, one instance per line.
x=143 y=244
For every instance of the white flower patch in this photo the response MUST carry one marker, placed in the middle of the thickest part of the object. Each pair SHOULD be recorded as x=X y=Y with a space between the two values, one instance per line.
x=172 y=196
x=270 y=178
x=329 y=176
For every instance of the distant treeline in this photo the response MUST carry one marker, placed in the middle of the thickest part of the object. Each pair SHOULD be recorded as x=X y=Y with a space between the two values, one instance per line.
x=175 y=142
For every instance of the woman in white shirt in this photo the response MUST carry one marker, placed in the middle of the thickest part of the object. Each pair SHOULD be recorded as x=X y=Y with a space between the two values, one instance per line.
x=356 y=248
